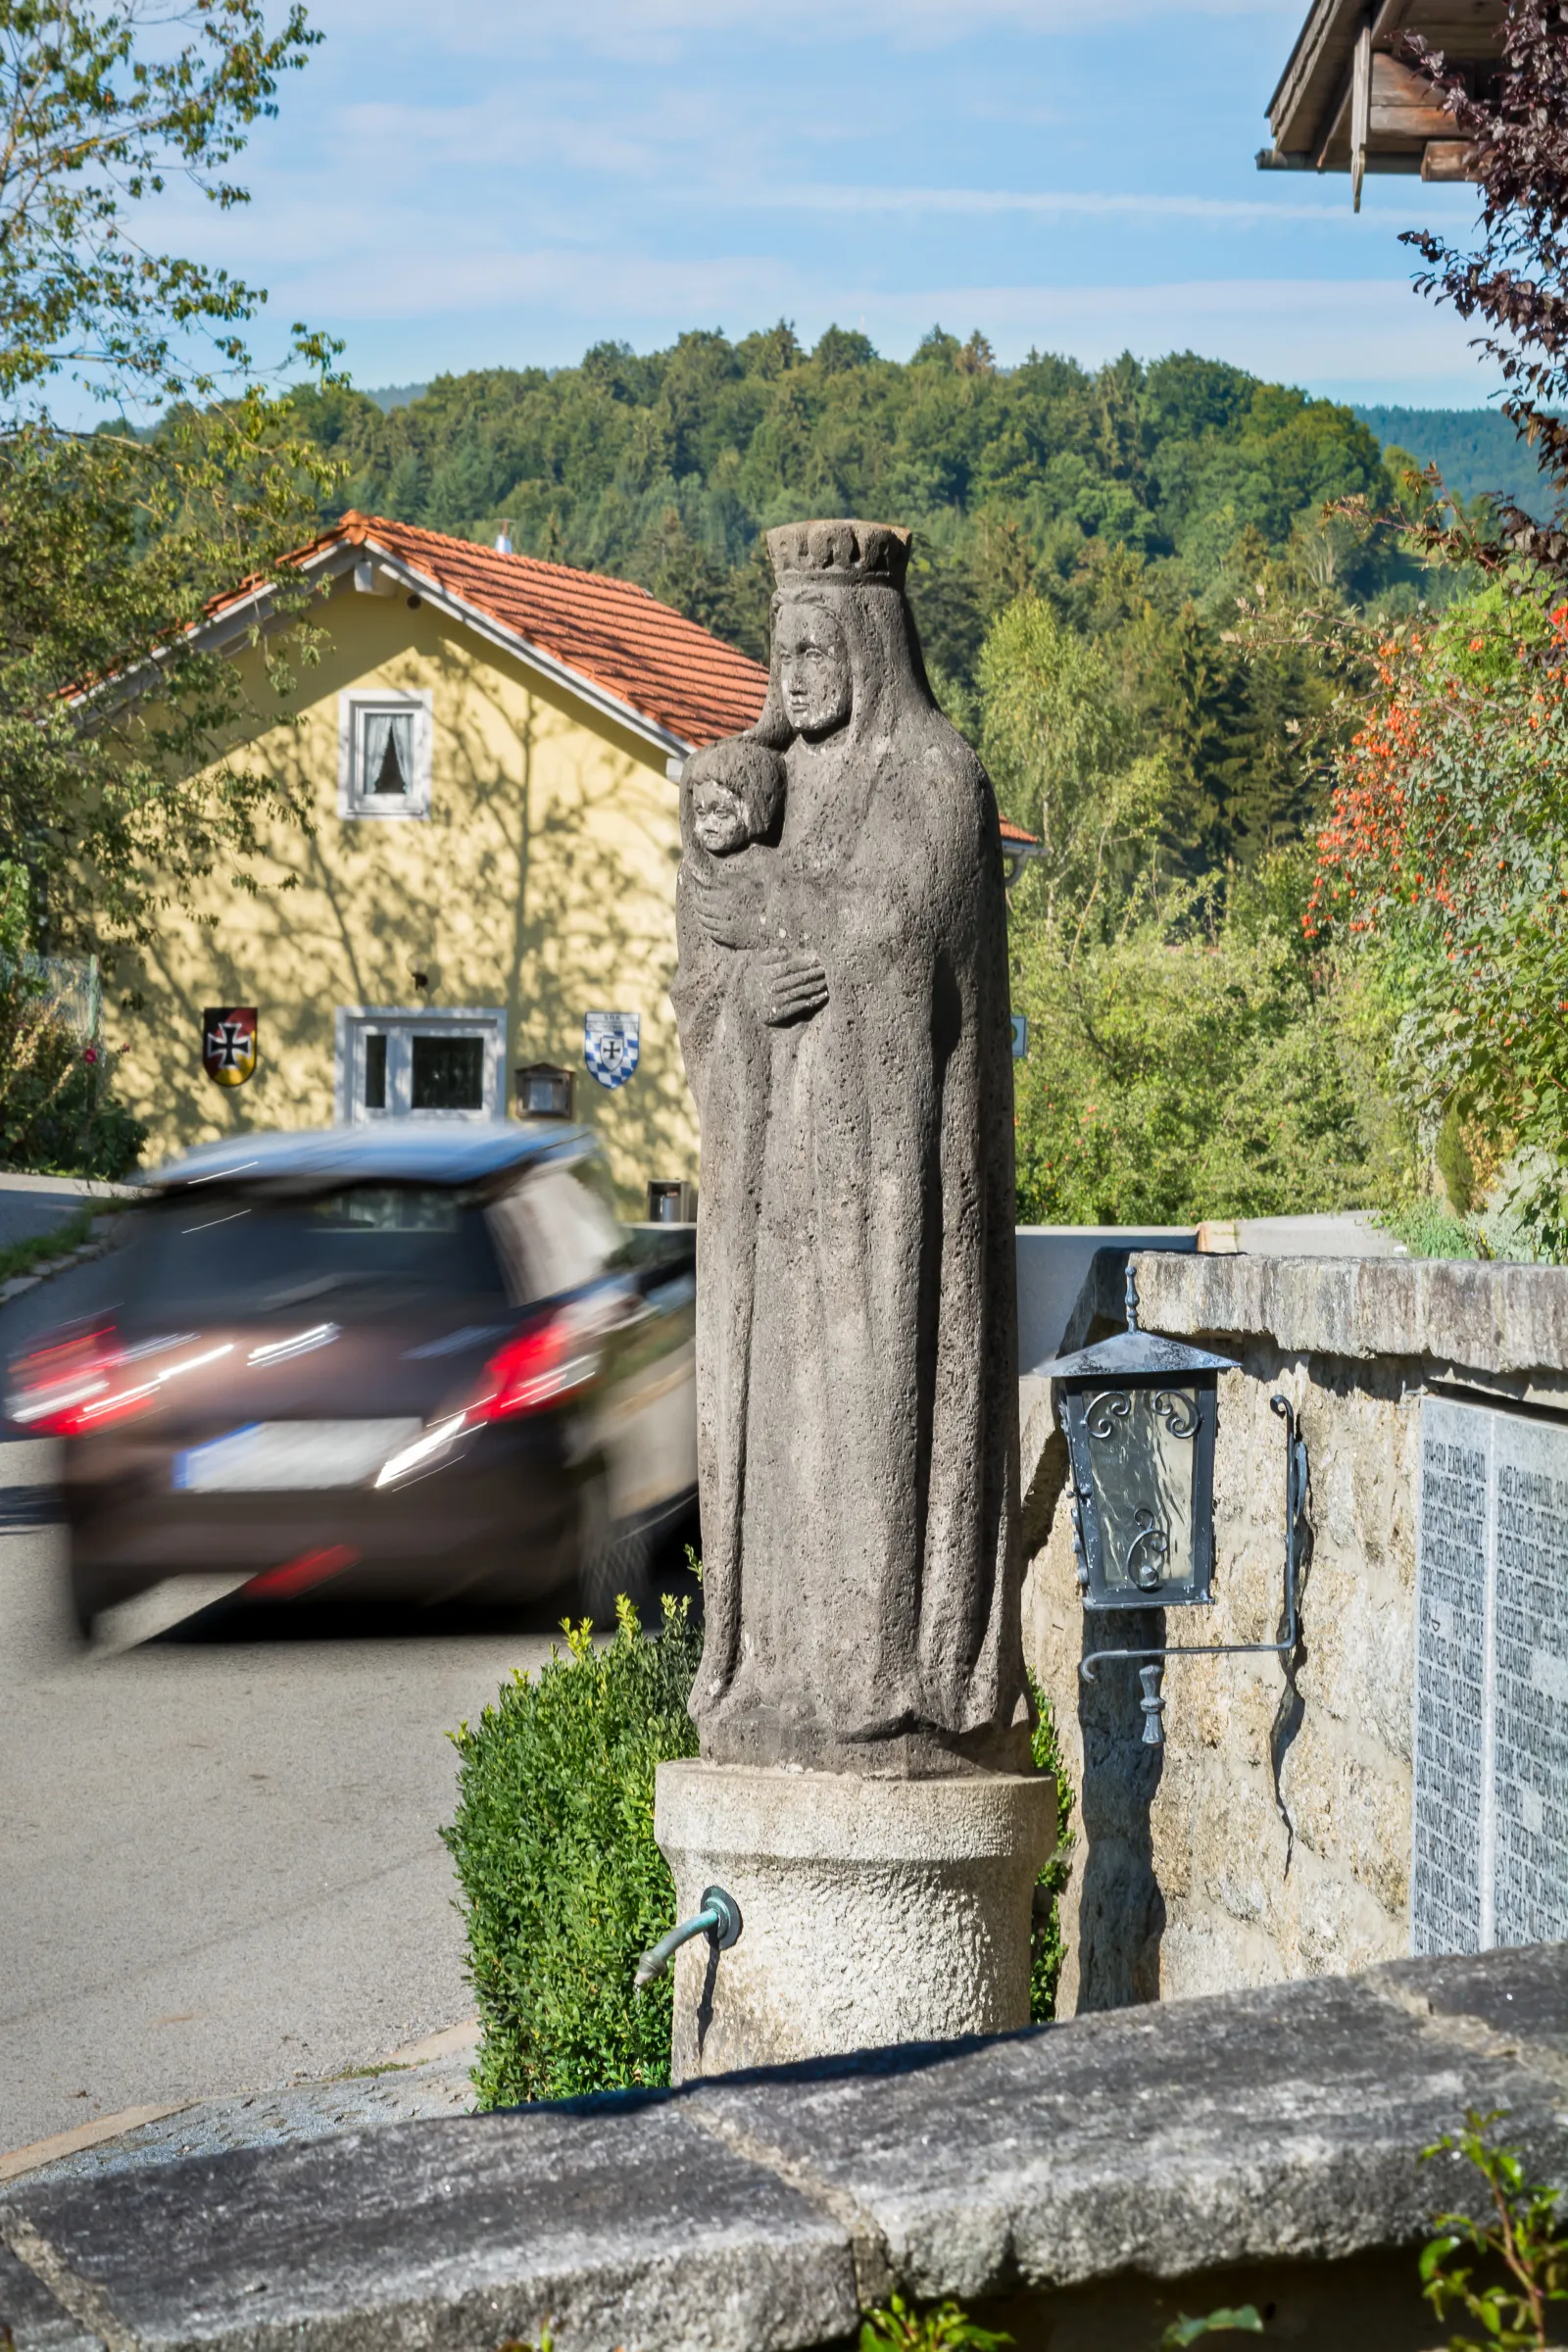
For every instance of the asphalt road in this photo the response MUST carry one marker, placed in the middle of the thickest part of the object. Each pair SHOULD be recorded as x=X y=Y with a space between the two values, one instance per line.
x=219 y=1860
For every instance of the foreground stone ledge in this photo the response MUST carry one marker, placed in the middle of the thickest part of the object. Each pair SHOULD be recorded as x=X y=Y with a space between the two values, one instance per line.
x=1265 y=2132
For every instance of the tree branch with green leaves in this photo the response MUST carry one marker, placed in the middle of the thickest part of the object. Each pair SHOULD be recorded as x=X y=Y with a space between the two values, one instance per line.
x=126 y=780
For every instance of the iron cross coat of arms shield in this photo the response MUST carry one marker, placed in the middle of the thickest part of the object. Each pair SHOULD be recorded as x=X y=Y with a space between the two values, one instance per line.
x=612 y=1044
x=228 y=1043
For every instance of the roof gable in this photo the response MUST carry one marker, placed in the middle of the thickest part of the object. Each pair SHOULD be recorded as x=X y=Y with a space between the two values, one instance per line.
x=625 y=652
x=686 y=686
x=1314 y=112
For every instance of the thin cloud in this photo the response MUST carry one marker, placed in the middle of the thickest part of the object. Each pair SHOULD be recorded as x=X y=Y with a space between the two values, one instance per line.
x=1365 y=332
x=986 y=202
x=524 y=182
x=652 y=29
x=517 y=308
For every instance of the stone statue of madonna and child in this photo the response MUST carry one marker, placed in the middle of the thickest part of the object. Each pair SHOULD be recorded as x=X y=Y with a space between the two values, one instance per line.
x=842 y=996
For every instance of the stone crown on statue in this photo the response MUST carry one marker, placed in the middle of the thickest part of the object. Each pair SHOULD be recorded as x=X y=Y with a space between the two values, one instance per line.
x=870 y=554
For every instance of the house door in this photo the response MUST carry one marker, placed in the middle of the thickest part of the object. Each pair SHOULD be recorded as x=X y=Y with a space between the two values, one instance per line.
x=397 y=1063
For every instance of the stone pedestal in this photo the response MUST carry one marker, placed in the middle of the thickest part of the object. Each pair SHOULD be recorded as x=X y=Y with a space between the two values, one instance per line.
x=873 y=1911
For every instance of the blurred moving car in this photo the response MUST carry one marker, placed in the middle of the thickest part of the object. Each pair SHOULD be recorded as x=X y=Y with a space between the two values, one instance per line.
x=419 y=1360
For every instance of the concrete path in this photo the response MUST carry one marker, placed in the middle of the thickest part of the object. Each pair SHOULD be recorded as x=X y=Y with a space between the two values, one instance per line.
x=220 y=1869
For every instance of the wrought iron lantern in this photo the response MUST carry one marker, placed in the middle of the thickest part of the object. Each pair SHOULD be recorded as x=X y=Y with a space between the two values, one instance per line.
x=1139 y=1414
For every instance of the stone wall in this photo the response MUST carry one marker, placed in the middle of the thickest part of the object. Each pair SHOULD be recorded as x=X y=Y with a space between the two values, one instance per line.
x=1270 y=1837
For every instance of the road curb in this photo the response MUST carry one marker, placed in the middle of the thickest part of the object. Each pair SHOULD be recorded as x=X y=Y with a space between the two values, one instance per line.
x=431 y=2081
x=40 y=2152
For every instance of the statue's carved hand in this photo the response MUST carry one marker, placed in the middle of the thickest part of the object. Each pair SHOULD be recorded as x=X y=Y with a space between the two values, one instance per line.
x=792 y=986
x=728 y=908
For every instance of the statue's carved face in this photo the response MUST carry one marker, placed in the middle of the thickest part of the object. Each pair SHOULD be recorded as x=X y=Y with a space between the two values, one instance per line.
x=719 y=818
x=813 y=670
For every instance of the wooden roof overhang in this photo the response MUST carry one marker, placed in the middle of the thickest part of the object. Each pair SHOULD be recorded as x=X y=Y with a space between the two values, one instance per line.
x=1347 y=101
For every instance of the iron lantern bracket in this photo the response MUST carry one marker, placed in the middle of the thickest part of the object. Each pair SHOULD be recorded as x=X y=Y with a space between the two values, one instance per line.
x=1296 y=1482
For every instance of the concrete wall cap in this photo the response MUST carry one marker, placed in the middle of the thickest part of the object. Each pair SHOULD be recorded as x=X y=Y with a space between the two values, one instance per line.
x=1505 y=1321
x=754 y=1810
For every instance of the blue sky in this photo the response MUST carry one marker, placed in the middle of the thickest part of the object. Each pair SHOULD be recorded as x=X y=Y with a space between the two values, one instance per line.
x=506 y=182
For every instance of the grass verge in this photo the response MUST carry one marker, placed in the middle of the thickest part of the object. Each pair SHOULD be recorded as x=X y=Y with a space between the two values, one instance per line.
x=41 y=1249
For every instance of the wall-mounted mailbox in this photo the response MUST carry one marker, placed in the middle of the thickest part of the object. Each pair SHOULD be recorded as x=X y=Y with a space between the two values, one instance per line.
x=543 y=1090
x=672 y=1200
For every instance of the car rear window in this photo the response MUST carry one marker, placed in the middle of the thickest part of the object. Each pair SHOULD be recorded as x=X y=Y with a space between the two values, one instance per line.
x=556 y=1230
x=372 y=1249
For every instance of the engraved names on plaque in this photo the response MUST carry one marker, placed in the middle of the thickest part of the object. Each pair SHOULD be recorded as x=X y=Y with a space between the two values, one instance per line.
x=1450 y=1673
x=1489 y=1858
x=1529 y=1688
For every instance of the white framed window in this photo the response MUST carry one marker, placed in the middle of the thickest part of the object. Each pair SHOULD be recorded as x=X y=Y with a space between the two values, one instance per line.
x=401 y=1061
x=383 y=754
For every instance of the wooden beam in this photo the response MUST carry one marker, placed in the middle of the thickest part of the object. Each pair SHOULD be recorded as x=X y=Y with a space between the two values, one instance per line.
x=1404 y=105
x=1461 y=28
x=1308 y=93
x=1447 y=159
x=1360 y=110
x=1309 y=113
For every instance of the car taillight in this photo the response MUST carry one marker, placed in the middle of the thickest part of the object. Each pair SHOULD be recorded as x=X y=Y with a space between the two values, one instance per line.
x=50 y=1386
x=552 y=1359
x=543 y=1365
x=85 y=1383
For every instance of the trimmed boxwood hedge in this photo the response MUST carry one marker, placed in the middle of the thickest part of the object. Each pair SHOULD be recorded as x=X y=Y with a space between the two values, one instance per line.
x=562 y=1885
x=1046 y=1947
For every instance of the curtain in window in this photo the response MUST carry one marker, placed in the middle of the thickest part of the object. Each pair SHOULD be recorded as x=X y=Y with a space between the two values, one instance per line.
x=387 y=762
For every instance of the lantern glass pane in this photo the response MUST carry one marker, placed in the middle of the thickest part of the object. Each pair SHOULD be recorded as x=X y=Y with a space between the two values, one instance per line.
x=1142 y=1460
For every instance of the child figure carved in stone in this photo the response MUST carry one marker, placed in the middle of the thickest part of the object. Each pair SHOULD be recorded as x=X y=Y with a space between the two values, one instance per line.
x=733 y=803
x=732 y=800
x=737 y=796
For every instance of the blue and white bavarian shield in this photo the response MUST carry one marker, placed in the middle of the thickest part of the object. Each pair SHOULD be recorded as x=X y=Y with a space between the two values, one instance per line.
x=612 y=1044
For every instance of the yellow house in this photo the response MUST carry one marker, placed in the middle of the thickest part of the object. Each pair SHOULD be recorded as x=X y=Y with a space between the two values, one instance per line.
x=490 y=749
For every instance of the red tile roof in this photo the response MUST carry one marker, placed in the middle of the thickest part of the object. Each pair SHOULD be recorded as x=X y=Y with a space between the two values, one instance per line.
x=611 y=632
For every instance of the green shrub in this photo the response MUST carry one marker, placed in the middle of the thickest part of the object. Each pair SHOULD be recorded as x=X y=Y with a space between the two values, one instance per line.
x=1243 y=2321
x=897 y=2326
x=1188 y=1065
x=1429 y=1229
x=1525 y=2245
x=57 y=1111
x=1047 y=1950
x=562 y=1885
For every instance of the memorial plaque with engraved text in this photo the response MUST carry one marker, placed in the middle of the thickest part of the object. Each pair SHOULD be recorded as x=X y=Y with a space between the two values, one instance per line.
x=1489 y=1858
x=1528 y=1839
x=1446 y=1882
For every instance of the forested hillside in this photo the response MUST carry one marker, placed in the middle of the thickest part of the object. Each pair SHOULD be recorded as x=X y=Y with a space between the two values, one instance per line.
x=1084 y=540
x=1140 y=499
x=1474 y=450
